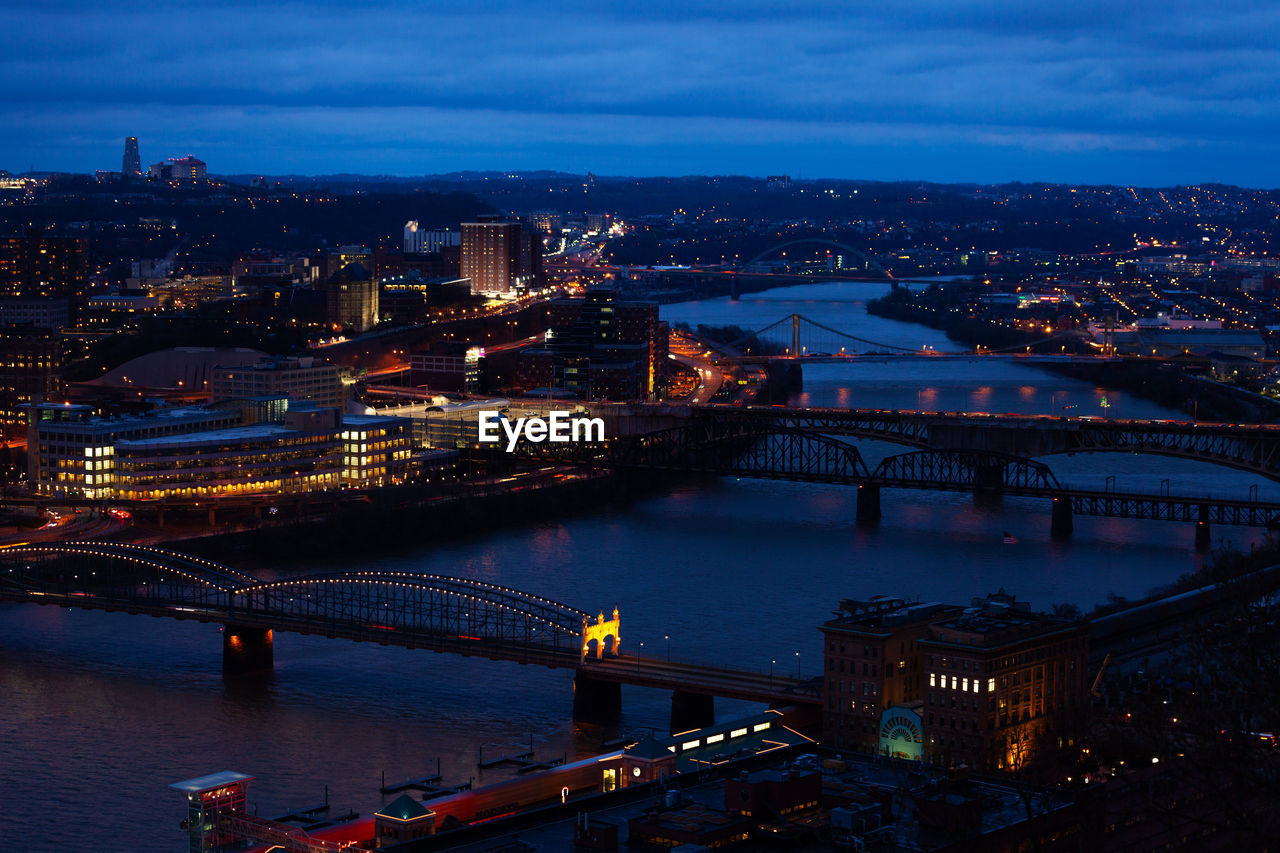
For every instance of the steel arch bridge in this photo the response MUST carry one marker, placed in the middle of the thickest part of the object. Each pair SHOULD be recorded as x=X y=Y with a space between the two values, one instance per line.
x=415 y=610
x=402 y=608
x=867 y=260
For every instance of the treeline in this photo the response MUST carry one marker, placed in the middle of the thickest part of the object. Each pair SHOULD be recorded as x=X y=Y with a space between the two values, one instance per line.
x=742 y=339
x=944 y=309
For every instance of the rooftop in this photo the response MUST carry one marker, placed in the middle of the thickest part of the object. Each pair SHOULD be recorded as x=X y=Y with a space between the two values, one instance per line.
x=211 y=782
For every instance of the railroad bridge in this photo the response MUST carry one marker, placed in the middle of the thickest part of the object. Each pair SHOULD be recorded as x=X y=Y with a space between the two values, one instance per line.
x=947 y=450
x=415 y=610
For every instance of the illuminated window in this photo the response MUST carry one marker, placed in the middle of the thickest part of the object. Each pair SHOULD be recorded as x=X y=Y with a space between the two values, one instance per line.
x=737 y=733
x=759 y=727
x=933 y=679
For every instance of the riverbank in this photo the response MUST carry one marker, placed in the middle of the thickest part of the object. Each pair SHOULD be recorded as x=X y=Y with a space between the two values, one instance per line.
x=392 y=520
x=1196 y=396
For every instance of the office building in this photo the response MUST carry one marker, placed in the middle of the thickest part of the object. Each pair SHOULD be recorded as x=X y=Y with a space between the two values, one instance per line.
x=40 y=312
x=420 y=241
x=39 y=265
x=262 y=446
x=31 y=363
x=375 y=450
x=179 y=169
x=71 y=450
x=131 y=165
x=299 y=378
x=331 y=262
x=351 y=299
x=447 y=366
x=600 y=348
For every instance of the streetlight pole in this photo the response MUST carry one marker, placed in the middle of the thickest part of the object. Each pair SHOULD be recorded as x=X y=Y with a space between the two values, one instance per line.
x=667 y=637
x=638 y=654
x=797 y=666
x=771 y=663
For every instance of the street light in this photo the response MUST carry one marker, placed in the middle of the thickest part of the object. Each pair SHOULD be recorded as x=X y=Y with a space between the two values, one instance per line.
x=797 y=666
x=638 y=654
x=667 y=637
x=771 y=663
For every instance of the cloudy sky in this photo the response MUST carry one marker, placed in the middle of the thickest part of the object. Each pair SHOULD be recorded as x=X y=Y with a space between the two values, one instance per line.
x=1151 y=93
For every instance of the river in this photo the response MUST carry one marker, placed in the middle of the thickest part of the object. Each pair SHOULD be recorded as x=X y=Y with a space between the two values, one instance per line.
x=99 y=712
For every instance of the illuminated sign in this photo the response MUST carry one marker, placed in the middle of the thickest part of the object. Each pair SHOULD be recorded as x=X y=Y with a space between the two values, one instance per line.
x=900 y=735
x=559 y=427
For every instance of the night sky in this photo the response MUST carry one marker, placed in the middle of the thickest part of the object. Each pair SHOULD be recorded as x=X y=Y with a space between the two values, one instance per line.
x=950 y=90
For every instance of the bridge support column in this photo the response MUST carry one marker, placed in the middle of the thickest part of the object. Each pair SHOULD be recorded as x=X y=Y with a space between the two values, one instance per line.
x=691 y=711
x=596 y=701
x=988 y=478
x=1062 y=524
x=247 y=652
x=1202 y=530
x=868 y=507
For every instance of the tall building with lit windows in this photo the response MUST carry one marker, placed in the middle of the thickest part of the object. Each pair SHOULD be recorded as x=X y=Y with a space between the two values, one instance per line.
x=495 y=256
x=41 y=265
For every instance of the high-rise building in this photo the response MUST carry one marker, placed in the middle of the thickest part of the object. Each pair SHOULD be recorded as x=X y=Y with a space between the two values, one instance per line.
x=39 y=265
x=600 y=348
x=420 y=241
x=31 y=362
x=351 y=299
x=132 y=163
x=494 y=256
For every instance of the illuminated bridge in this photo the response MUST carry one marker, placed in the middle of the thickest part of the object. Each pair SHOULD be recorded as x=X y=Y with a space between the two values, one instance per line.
x=417 y=611
x=948 y=451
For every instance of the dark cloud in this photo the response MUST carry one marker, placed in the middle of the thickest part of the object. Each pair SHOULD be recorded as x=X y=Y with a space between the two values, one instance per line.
x=1087 y=90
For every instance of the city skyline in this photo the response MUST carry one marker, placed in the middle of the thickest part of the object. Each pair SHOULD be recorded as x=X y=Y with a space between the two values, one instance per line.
x=954 y=92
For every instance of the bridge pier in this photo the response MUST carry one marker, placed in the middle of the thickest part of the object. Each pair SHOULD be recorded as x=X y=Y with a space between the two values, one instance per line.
x=988 y=478
x=1203 y=534
x=1062 y=524
x=247 y=652
x=691 y=711
x=595 y=701
x=868 y=506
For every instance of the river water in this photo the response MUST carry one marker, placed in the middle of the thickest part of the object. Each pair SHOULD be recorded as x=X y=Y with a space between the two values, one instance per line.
x=99 y=712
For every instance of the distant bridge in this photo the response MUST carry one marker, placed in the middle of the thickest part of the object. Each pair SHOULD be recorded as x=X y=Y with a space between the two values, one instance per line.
x=868 y=262
x=796 y=336
x=951 y=451
x=417 y=611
